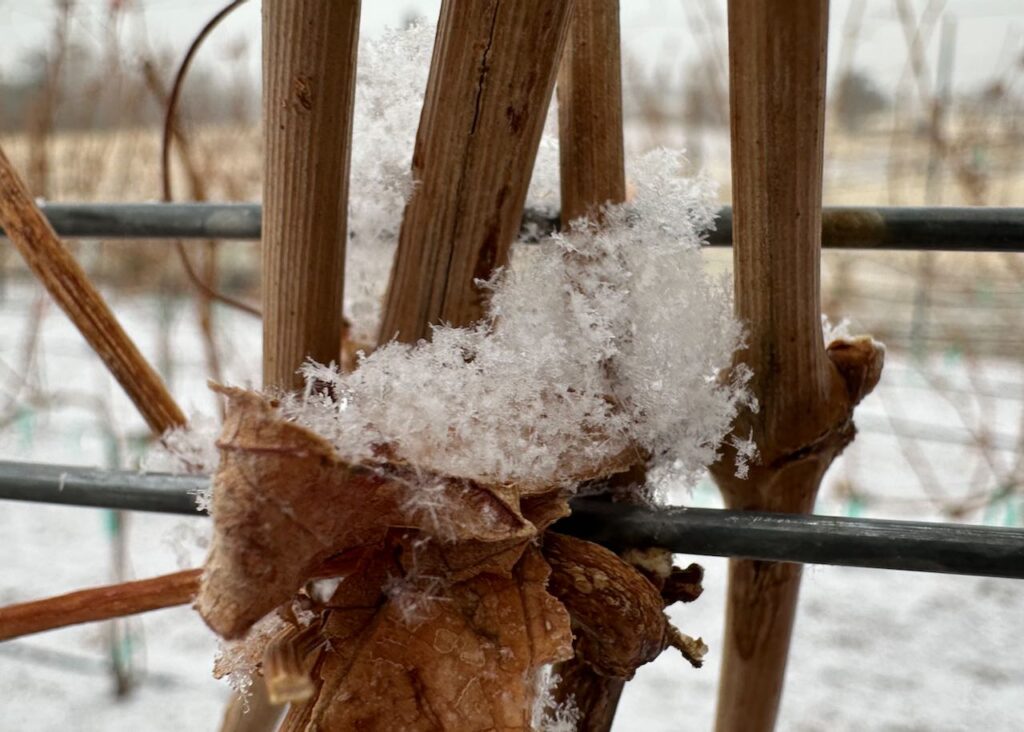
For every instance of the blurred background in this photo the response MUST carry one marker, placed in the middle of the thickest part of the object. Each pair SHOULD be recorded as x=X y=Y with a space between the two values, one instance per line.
x=925 y=108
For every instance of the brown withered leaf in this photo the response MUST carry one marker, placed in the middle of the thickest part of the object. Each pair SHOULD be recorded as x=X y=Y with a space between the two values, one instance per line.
x=464 y=658
x=446 y=608
x=284 y=502
x=618 y=615
x=281 y=503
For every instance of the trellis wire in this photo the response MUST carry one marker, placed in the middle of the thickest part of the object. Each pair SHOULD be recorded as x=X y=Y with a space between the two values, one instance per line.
x=920 y=546
x=903 y=545
x=949 y=228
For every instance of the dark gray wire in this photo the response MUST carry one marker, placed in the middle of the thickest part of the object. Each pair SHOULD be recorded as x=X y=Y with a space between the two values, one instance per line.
x=74 y=486
x=906 y=545
x=969 y=229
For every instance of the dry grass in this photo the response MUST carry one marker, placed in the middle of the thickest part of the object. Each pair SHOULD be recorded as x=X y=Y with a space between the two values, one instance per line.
x=124 y=165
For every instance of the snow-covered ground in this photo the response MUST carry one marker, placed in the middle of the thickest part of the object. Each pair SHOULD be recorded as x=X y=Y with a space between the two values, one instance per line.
x=873 y=650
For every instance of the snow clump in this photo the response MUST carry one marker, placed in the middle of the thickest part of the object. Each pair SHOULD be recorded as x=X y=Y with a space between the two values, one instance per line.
x=599 y=341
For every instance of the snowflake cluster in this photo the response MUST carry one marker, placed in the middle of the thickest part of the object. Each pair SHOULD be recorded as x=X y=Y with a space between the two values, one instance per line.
x=548 y=714
x=390 y=84
x=597 y=341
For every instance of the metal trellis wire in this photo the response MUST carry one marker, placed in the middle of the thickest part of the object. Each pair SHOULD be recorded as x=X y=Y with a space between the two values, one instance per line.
x=947 y=228
x=905 y=545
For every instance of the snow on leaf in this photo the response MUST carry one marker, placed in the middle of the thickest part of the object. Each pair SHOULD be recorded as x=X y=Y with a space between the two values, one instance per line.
x=284 y=503
x=444 y=610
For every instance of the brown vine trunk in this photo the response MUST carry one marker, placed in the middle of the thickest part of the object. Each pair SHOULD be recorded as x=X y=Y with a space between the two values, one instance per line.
x=777 y=52
x=309 y=69
x=491 y=78
x=592 y=170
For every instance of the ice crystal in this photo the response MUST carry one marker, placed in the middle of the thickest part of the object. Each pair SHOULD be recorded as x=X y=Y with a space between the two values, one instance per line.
x=835 y=332
x=548 y=714
x=390 y=83
x=415 y=596
x=597 y=341
x=238 y=660
x=190 y=449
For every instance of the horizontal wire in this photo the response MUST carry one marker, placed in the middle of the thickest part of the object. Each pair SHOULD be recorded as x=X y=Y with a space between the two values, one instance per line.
x=947 y=228
x=808 y=539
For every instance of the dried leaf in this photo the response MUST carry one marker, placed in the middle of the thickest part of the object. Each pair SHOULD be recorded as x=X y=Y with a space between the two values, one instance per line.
x=284 y=504
x=465 y=659
x=859 y=361
x=441 y=616
x=617 y=614
x=286 y=665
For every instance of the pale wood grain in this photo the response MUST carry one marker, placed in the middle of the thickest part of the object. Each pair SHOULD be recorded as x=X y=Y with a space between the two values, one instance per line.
x=590 y=139
x=309 y=65
x=490 y=83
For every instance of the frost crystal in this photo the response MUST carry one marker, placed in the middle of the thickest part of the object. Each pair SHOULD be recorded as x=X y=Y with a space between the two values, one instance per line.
x=598 y=341
x=548 y=715
x=838 y=332
x=190 y=449
x=391 y=80
x=415 y=596
x=239 y=660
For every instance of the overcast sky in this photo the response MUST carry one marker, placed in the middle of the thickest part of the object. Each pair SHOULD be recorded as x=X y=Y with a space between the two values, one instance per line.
x=989 y=37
